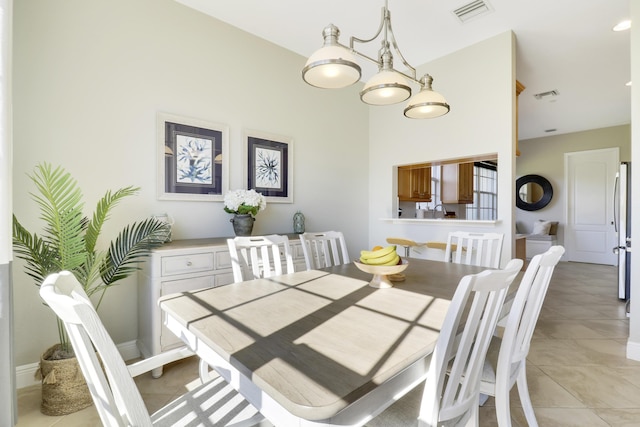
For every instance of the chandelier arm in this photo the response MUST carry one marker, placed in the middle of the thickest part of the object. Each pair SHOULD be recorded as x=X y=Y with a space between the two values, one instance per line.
x=385 y=24
x=380 y=28
x=411 y=77
x=404 y=61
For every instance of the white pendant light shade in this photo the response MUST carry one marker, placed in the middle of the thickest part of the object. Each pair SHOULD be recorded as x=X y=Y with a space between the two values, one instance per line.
x=331 y=67
x=427 y=103
x=385 y=88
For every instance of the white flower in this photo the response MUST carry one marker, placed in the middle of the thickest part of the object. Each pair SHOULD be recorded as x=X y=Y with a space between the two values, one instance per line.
x=244 y=202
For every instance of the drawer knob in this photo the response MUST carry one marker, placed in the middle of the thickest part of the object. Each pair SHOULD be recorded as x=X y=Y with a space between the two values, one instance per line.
x=189 y=263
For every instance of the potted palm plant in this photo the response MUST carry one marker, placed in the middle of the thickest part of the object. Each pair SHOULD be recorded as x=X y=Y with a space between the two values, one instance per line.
x=69 y=241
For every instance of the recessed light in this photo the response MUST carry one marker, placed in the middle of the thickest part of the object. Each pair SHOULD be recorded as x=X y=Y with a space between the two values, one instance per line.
x=628 y=83
x=622 y=26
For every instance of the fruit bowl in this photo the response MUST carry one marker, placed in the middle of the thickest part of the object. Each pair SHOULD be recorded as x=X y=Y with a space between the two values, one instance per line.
x=381 y=273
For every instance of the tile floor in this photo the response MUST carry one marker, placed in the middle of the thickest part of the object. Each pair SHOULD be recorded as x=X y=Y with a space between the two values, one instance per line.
x=577 y=370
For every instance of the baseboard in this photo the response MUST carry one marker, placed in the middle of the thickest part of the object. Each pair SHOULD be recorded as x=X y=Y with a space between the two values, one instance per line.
x=129 y=350
x=25 y=374
x=633 y=350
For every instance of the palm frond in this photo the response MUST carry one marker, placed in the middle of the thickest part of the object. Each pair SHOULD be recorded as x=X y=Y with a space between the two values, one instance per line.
x=60 y=202
x=132 y=244
x=41 y=259
x=101 y=214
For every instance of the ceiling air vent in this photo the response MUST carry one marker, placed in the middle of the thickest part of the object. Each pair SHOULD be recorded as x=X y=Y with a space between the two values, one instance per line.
x=472 y=10
x=547 y=95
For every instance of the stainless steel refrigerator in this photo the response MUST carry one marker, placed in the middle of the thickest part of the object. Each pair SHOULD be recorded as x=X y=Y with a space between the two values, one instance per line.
x=622 y=222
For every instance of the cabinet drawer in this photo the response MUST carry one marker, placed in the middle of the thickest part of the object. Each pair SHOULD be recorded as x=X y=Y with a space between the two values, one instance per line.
x=223 y=260
x=183 y=285
x=181 y=264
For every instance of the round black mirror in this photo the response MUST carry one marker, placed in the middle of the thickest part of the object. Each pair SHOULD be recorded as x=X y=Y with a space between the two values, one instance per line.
x=533 y=192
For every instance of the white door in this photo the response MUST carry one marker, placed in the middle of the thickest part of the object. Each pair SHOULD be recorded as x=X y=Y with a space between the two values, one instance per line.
x=590 y=177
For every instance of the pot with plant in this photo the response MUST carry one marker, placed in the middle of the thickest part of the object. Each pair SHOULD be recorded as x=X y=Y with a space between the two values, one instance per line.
x=69 y=241
x=244 y=205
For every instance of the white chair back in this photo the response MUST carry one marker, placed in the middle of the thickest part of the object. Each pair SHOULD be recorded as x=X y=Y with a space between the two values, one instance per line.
x=483 y=249
x=253 y=257
x=457 y=399
x=509 y=367
x=324 y=249
x=114 y=392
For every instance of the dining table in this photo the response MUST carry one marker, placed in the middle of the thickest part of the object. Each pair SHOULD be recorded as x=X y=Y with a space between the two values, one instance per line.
x=319 y=347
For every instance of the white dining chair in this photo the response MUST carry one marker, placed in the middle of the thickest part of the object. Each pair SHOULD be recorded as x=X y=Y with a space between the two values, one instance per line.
x=506 y=362
x=259 y=256
x=110 y=380
x=450 y=395
x=324 y=249
x=483 y=249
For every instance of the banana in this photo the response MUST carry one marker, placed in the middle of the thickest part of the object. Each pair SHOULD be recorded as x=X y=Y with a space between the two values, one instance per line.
x=394 y=261
x=377 y=254
x=383 y=260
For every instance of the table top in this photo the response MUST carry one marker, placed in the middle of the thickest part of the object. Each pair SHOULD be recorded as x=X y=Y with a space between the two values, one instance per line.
x=318 y=340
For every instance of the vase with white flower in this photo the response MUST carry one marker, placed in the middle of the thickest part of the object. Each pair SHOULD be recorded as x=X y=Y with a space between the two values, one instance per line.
x=244 y=205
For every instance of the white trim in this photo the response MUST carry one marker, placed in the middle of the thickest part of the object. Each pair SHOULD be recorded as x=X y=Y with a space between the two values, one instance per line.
x=25 y=374
x=633 y=350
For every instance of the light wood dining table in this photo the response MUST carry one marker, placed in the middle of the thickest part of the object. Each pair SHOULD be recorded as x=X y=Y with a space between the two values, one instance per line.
x=319 y=347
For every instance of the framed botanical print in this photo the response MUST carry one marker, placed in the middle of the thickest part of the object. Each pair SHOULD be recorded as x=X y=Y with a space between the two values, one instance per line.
x=269 y=163
x=193 y=159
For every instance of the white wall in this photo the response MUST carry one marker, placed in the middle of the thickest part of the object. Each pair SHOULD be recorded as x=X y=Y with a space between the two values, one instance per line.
x=89 y=80
x=633 y=346
x=545 y=157
x=481 y=121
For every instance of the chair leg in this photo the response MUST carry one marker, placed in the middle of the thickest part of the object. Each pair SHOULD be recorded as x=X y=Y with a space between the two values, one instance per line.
x=503 y=409
x=503 y=404
x=525 y=398
x=203 y=369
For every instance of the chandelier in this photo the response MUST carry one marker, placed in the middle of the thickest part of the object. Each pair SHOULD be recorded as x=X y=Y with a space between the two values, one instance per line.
x=334 y=66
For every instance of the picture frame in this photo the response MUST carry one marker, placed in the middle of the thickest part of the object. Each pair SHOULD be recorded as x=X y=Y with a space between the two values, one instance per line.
x=193 y=158
x=269 y=165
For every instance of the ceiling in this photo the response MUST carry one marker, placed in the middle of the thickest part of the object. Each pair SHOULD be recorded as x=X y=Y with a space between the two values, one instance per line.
x=561 y=45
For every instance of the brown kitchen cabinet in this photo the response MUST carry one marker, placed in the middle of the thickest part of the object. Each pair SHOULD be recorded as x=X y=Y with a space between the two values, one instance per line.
x=456 y=183
x=414 y=183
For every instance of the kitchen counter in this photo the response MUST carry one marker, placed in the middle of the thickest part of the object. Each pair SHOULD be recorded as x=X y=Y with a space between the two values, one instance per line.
x=439 y=221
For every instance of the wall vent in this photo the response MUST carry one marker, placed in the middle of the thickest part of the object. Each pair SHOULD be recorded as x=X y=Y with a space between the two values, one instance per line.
x=546 y=95
x=472 y=10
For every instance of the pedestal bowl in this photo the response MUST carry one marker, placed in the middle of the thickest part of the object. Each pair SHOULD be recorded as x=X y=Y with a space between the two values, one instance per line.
x=383 y=275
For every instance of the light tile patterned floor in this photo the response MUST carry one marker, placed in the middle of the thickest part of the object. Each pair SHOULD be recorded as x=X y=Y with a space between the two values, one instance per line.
x=577 y=370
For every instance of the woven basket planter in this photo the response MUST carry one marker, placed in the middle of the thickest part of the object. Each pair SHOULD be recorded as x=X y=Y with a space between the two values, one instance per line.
x=64 y=389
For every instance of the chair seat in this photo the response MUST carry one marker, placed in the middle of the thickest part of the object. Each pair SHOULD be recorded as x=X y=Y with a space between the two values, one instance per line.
x=214 y=403
x=491 y=366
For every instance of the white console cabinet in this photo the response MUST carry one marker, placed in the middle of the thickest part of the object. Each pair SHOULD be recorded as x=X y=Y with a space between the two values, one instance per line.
x=179 y=266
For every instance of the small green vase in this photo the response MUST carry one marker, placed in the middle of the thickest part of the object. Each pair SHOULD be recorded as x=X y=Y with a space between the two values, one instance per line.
x=298 y=223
